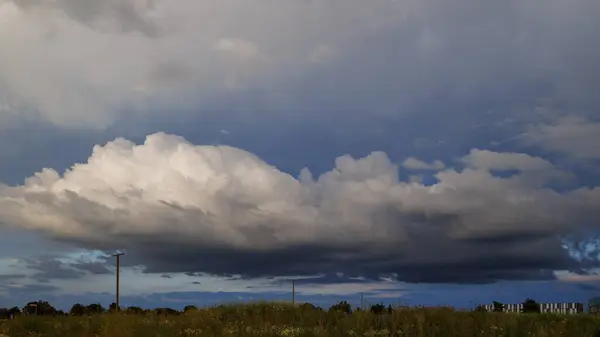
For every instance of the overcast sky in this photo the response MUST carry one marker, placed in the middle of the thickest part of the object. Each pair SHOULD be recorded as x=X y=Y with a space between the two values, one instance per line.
x=428 y=152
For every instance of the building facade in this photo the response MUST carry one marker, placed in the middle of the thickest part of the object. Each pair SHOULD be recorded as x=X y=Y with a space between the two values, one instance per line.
x=518 y=307
x=562 y=308
x=550 y=308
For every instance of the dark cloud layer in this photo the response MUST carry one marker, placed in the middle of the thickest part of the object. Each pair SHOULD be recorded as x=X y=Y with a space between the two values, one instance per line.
x=48 y=268
x=324 y=60
x=11 y=277
x=438 y=260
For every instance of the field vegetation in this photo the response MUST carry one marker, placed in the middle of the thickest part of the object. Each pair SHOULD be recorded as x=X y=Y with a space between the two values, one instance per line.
x=280 y=319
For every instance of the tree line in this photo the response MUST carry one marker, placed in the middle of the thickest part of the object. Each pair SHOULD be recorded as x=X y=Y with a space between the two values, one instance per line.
x=529 y=306
x=43 y=308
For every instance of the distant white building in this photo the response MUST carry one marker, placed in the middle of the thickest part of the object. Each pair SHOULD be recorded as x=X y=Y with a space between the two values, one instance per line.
x=562 y=308
x=507 y=307
x=551 y=308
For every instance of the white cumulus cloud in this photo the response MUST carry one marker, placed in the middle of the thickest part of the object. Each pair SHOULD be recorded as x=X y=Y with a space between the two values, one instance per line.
x=489 y=160
x=229 y=203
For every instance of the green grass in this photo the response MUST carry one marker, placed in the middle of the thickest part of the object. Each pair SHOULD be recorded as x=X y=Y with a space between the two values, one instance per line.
x=273 y=319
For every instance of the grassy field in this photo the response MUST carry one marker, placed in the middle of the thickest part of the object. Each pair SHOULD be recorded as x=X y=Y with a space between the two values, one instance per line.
x=268 y=319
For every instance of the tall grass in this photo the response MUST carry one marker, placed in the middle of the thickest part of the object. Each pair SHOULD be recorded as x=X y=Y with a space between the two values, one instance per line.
x=274 y=319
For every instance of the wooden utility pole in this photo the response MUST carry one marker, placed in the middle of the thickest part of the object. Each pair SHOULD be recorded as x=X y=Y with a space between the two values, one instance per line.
x=362 y=302
x=117 y=255
x=293 y=293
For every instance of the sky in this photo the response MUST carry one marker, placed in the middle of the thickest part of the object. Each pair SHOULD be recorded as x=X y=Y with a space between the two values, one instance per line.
x=418 y=152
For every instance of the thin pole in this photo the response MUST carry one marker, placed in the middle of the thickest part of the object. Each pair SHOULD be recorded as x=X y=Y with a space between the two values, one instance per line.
x=362 y=302
x=117 y=255
x=293 y=293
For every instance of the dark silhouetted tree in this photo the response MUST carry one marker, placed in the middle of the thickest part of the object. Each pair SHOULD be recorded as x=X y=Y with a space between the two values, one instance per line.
x=307 y=307
x=9 y=313
x=377 y=309
x=498 y=307
x=42 y=308
x=343 y=306
x=15 y=310
x=134 y=310
x=190 y=308
x=166 y=311
x=531 y=306
x=112 y=307
x=46 y=309
x=95 y=308
x=77 y=310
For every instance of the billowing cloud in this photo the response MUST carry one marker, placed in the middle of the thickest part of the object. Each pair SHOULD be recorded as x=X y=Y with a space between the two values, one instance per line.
x=572 y=136
x=177 y=207
x=489 y=160
x=416 y=164
x=89 y=63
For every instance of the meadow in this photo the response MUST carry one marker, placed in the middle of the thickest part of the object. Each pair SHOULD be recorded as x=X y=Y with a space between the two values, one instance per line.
x=276 y=319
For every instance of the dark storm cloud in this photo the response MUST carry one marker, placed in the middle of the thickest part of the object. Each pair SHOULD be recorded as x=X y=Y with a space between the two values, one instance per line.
x=97 y=268
x=48 y=268
x=440 y=261
x=53 y=268
x=322 y=279
x=11 y=277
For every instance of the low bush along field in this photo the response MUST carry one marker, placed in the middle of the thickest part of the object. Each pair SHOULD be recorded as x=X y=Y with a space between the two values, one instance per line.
x=268 y=319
